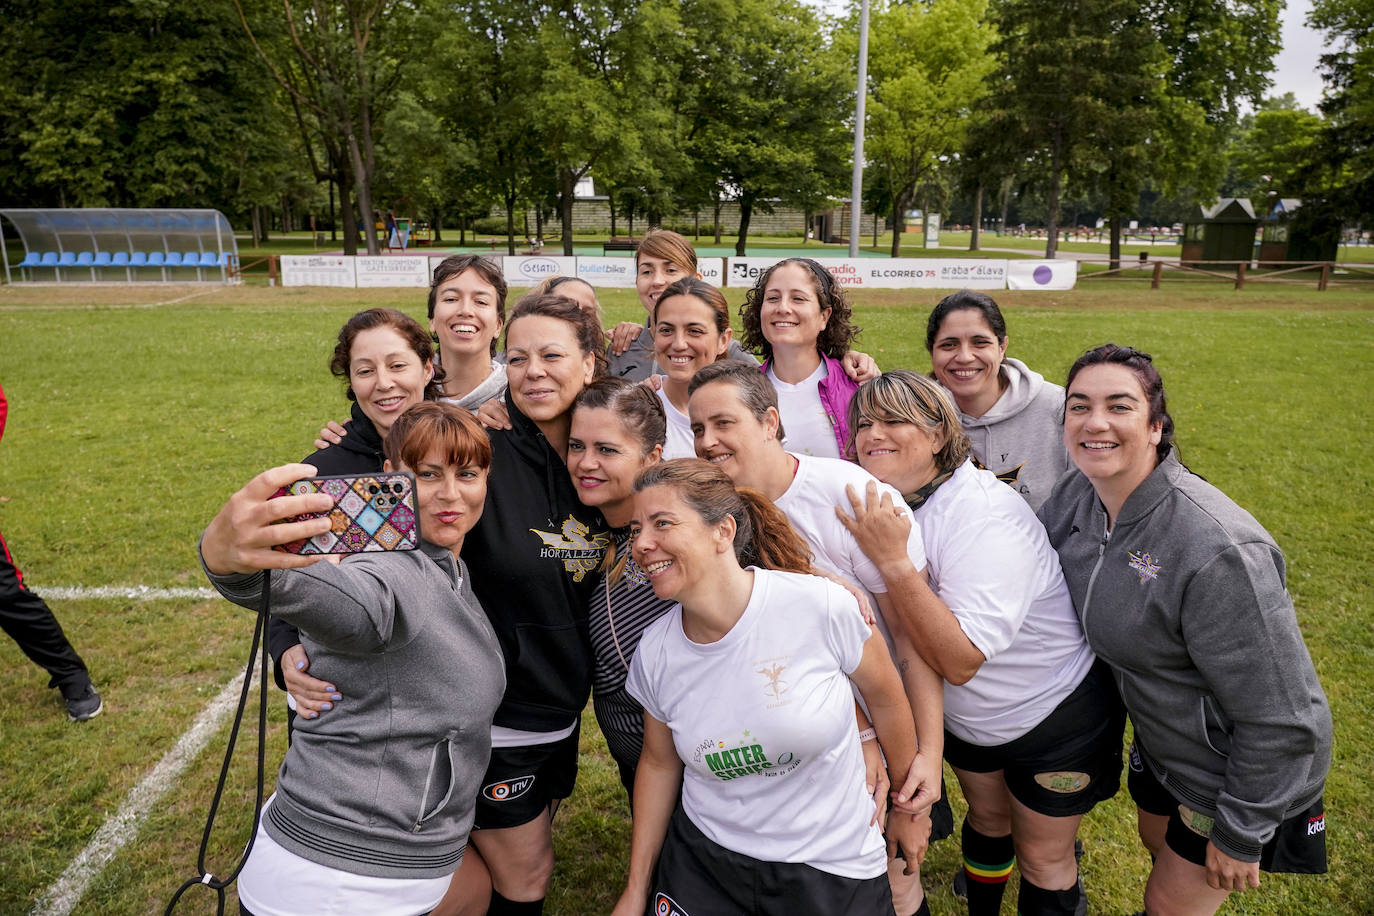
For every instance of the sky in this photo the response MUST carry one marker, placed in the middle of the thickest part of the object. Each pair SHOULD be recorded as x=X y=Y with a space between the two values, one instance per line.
x=1295 y=66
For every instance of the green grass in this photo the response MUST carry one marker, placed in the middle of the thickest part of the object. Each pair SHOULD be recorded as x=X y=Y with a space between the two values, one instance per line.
x=133 y=415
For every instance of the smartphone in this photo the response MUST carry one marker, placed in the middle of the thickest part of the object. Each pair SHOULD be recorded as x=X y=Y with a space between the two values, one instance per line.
x=371 y=512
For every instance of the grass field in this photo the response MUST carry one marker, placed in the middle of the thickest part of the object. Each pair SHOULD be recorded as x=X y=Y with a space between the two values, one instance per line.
x=135 y=411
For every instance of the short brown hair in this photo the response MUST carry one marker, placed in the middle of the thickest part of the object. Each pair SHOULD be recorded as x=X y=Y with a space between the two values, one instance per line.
x=753 y=389
x=430 y=425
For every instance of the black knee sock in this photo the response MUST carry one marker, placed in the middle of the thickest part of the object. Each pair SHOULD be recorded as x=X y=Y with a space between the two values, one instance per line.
x=924 y=908
x=987 y=864
x=500 y=906
x=1036 y=901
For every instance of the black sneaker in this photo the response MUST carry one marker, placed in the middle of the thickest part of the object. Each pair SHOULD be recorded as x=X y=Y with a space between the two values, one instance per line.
x=84 y=705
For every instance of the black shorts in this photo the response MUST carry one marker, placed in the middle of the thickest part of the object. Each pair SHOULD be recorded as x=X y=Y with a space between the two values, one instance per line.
x=696 y=877
x=522 y=782
x=1297 y=847
x=1066 y=764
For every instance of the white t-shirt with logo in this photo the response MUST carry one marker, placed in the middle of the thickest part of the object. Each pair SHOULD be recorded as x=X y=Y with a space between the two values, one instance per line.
x=681 y=443
x=804 y=420
x=809 y=504
x=763 y=720
x=992 y=565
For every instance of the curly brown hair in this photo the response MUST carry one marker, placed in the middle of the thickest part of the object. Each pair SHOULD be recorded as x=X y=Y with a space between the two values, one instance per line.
x=839 y=332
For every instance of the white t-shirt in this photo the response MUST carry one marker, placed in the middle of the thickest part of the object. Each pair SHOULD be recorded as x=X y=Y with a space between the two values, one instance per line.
x=808 y=427
x=809 y=504
x=681 y=443
x=993 y=566
x=763 y=720
x=277 y=882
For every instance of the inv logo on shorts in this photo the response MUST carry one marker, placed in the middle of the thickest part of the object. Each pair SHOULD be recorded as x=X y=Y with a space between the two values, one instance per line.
x=1064 y=783
x=507 y=789
x=667 y=906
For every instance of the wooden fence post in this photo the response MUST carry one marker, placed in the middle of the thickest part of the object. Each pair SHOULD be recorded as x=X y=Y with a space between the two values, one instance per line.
x=1159 y=271
x=1325 y=276
x=272 y=270
x=1240 y=275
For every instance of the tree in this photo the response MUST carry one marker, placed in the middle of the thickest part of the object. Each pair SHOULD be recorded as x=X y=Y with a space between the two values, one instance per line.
x=1346 y=147
x=1272 y=154
x=1073 y=92
x=767 y=123
x=160 y=111
x=341 y=62
x=928 y=65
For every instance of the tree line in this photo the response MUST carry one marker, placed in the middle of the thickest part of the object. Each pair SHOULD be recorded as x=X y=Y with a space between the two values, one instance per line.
x=459 y=109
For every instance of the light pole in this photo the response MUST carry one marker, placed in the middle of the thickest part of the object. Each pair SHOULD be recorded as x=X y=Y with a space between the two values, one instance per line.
x=856 y=185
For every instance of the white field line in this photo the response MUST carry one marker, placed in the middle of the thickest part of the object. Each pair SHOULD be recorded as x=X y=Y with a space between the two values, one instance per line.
x=70 y=592
x=66 y=892
x=31 y=307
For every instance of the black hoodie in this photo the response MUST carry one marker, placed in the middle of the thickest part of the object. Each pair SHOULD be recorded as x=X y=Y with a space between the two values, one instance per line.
x=534 y=557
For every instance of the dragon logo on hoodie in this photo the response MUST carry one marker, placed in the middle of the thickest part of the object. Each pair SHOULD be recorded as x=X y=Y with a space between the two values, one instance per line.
x=580 y=554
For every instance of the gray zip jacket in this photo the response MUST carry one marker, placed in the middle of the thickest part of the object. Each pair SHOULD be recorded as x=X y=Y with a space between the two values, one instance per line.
x=385 y=783
x=1185 y=599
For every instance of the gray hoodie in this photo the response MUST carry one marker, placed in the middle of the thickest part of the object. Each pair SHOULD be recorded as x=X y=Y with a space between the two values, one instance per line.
x=1021 y=438
x=385 y=784
x=1185 y=599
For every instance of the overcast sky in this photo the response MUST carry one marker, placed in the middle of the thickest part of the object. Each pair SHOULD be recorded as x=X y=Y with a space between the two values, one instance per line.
x=1295 y=66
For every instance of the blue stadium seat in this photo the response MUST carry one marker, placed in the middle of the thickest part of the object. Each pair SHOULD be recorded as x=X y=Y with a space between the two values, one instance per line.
x=65 y=259
x=31 y=259
x=173 y=259
x=138 y=259
x=158 y=259
x=192 y=259
x=49 y=259
x=208 y=259
x=86 y=259
x=102 y=259
x=121 y=259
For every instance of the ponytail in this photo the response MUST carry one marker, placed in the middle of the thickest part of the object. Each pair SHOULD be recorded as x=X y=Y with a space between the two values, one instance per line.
x=775 y=544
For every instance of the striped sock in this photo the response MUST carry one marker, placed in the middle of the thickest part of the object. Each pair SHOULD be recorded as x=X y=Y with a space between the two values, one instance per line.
x=987 y=865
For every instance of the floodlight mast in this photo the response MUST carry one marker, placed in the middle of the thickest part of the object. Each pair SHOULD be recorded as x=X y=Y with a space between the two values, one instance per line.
x=856 y=185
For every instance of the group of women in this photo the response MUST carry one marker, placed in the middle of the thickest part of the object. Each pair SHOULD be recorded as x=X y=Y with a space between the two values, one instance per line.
x=792 y=589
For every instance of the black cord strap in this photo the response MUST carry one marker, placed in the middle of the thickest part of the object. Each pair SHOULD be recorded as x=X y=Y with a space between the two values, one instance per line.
x=204 y=877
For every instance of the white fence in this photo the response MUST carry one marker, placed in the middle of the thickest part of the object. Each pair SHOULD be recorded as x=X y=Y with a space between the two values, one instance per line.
x=618 y=273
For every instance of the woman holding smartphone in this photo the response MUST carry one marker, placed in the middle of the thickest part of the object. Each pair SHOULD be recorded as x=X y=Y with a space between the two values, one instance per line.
x=373 y=804
x=746 y=686
x=388 y=362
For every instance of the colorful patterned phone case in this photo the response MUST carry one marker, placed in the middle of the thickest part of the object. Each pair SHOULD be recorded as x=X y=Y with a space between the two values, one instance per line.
x=371 y=512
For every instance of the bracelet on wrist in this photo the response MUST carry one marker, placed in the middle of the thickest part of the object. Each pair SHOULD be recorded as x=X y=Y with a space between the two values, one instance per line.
x=868 y=734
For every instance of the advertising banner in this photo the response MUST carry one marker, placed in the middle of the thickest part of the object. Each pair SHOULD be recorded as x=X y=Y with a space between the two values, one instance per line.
x=530 y=270
x=891 y=273
x=317 y=270
x=1042 y=274
x=712 y=270
x=392 y=271
x=613 y=272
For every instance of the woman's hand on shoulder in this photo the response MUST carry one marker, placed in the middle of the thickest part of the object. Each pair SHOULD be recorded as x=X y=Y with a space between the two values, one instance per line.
x=860 y=366
x=493 y=414
x=861 y=596
x=332 y=434
x=240 y=538
x=879 y=525
x=624 y=334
